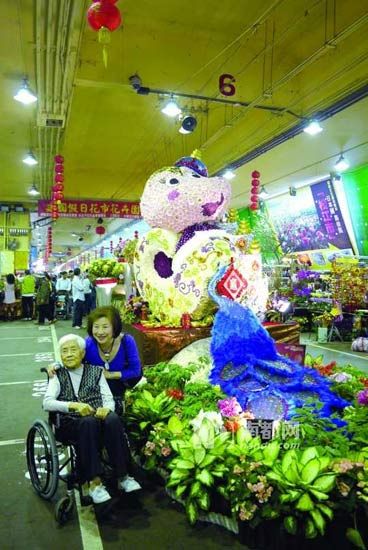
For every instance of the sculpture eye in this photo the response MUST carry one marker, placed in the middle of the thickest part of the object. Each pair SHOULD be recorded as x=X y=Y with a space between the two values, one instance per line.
x=173 y=181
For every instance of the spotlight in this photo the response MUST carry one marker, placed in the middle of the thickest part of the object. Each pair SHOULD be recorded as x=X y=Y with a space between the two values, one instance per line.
x=171 y=109
x=188 y=125
x=229 y=174
x=292 y=191
x=30 y=159
x=33 y=190
x=263 y=194
x=313 y=128
x=341 y=164
x=135 y=81
x=24 y=94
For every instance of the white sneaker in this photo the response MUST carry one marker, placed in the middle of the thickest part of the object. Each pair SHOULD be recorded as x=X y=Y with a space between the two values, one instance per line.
x=76 y=328
x=99 y=494
x=129 y=484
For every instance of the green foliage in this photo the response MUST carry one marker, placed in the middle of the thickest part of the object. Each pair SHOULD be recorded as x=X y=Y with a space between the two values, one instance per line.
x=168 y=375
x=105 y=268
x=199 y=396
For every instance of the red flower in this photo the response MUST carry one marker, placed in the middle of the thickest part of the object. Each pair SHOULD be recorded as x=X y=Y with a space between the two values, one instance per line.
x=175 y=394
x=232 y=426
x=364 y=381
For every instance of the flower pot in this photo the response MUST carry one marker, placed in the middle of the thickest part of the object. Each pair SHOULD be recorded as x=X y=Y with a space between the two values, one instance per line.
x=322 y=334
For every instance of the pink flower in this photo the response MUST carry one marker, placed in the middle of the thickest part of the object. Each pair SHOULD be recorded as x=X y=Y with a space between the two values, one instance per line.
x=362 y=397
x=229 y=407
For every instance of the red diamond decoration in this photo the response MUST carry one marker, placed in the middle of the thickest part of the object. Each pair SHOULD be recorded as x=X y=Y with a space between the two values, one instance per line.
x=232 y=285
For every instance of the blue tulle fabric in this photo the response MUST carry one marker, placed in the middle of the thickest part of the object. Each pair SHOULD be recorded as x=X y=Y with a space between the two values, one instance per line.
x=248 y=367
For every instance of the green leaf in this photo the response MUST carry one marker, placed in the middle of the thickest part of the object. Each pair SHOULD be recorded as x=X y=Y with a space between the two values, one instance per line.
x=142 y=425
x=319 y=520
x=326 y=510
x=175 y=425
x=195 y=489
x=290 y=524
x=324 y=461
x=292 y=473
x=308 y=454
x=325 y=483
x=204 y=501
x=274 y=477
x=205 y=477
x=242 y=436
x=305 y=503
x=318 y=494
x=290 y=496
x=180 y=490
x=355 y=538
x=185 y=464
x=271 y=452
x=310 y=529
x=192 y=511
x=206 y=434
x=199 y=455
x=288 y=459
x=208 y=459
x=310 y=470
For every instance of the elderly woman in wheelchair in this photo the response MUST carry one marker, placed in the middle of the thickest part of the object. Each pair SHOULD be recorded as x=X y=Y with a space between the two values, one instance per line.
x=83 y=402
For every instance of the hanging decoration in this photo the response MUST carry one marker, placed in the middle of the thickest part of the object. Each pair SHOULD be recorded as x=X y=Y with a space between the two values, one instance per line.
x=254 y=192
x=57 y=194
x=104 y=17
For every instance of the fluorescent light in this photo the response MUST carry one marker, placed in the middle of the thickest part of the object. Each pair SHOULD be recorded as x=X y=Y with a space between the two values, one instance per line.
x=24 y=94
x=30 y=159
x=341 y=164
x=229 y=175
x=171 y=109
x=33 y=190
x=263 y=194
x=313 y=128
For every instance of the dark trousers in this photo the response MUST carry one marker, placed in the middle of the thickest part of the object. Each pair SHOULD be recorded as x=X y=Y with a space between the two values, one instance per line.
x=43 y=310
x=78 y=308
x=27 y=307
x=90 y=435
x=51 y=311
x=87 y=303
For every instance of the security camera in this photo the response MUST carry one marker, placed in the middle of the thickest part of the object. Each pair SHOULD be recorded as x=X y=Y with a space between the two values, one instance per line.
x=188 y=124
x=135 y=81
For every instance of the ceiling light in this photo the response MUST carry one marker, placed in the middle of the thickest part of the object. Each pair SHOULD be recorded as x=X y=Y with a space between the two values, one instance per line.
x=24 y=94
x=74 y=234
x=313 y=128
x=30 y=159
x=33 y=190
x=171 y=109
x=188 y=125
x=341 y=164
x=263 y=194
x=229 y=175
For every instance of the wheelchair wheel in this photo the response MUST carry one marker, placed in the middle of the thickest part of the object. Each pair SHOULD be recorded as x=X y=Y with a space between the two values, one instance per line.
x=64 y=509
x=42 y=459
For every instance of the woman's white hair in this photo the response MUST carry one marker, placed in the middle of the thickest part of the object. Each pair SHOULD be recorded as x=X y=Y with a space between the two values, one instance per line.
x=73 y=338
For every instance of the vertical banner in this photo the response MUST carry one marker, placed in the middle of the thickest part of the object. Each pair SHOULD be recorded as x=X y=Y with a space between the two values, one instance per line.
x=356 y=192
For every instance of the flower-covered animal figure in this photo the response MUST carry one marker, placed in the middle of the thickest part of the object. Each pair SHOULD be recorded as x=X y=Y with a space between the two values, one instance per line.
x=176 y=258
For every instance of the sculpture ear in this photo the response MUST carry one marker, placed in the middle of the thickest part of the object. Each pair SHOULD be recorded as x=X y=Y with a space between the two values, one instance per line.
x=162 y=265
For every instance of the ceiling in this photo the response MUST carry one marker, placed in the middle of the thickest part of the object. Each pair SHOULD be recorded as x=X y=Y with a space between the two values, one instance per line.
x=294 y=55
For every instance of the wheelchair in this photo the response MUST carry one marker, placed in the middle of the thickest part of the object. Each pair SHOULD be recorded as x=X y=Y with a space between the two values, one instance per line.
x=50 y=461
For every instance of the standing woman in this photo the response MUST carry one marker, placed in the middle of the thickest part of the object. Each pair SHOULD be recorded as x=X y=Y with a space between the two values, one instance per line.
x=9 y=298
x=108 y=347
x=43 y=299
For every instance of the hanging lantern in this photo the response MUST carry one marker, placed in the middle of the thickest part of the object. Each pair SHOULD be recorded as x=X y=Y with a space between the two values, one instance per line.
x=59 y=178
x=58 y=196
x=100 y=230
x=104 y=17
x=58 y=187
x=255 y=183
x=255 y=174
x=59 y=168
x=59 y=159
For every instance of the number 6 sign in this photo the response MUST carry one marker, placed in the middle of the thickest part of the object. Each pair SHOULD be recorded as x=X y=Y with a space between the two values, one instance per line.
x=225 y=84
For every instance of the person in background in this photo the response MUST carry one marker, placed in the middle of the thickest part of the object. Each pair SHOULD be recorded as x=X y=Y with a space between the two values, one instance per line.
x=78 y=299
x=43 y=299
x=87 y=285
x=82 y=394
x=52 y=300
x=9 y=297
x=63 y=283
x=28 y=287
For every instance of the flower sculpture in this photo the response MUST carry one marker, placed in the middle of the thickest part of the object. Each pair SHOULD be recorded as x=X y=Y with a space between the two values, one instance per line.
x=174 y=261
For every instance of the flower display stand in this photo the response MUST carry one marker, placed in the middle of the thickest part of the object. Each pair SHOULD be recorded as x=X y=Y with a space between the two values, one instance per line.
x=104 y=288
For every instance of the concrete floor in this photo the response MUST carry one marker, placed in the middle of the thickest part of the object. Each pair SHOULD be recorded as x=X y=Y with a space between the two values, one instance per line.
x=145 y=520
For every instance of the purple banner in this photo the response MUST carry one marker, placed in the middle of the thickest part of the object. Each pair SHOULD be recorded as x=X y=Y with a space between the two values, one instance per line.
x=329 y=214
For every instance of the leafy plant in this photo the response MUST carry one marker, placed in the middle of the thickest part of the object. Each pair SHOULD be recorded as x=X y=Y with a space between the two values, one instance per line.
x=304 y=484
x=199 y=396
x=199 y=461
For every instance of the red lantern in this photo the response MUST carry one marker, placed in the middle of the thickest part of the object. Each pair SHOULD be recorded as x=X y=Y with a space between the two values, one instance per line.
x=256 y=183
x=59 y=159
x=254 y=206
x=100 y=230
x=58 y=187
x=255 y=174
x=58 y=196
x=59 y=168
x=103 y=14
x=59 y=178
x=254 y=199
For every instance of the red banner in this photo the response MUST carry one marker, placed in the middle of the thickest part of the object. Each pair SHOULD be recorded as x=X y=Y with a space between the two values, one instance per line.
x=92 y=209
